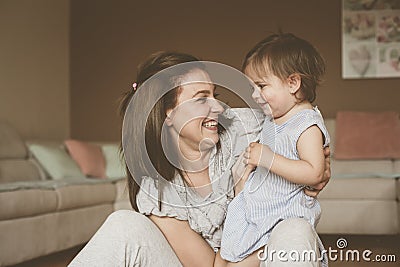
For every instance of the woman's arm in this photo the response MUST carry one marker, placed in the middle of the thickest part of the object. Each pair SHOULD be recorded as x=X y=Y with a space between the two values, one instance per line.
x=189 y=246
x=309 y=170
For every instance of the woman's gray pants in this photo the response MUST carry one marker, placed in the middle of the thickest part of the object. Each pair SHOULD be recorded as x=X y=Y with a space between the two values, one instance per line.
x=128 y=238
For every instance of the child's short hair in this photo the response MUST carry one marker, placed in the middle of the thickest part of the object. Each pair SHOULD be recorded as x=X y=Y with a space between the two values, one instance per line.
x=285 y=54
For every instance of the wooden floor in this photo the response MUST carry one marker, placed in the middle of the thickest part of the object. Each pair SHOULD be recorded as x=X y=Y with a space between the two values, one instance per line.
x=379 y=245
x=60 y=259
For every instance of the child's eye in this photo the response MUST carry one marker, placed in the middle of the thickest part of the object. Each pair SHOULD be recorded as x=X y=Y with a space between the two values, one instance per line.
x=262 y=86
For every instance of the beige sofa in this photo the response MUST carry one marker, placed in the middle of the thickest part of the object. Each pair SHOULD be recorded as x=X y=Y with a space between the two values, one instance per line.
x=40 y=216
x=362 y=197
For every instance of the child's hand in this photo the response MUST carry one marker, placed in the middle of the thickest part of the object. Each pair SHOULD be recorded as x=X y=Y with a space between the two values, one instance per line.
x=257 y=154
x=240 y=173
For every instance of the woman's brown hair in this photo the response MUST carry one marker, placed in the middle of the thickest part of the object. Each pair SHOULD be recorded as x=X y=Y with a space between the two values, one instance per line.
x=153 y=126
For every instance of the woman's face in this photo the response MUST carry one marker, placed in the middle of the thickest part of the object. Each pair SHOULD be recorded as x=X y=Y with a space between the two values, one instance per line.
x=194 y=120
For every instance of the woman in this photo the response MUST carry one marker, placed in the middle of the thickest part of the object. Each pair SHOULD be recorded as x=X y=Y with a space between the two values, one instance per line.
x=184 y=191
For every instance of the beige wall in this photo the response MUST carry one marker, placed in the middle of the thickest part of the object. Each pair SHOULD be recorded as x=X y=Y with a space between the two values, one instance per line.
x=34 y=67
x=64 y=65
x=109 y=39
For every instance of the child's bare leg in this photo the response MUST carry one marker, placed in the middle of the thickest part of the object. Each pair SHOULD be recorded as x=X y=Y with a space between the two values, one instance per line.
x=219 y=261
x=251 y=261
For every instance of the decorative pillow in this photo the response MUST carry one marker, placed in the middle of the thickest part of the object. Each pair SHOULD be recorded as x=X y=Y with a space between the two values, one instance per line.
x=55 y=161
x=114 y=165
x=367 y=135
x=89 y=157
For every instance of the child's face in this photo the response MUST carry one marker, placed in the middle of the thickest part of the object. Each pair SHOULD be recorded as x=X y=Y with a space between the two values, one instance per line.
x=271 y=93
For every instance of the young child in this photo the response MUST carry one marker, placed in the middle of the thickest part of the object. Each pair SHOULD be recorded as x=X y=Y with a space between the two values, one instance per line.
x=286 y=71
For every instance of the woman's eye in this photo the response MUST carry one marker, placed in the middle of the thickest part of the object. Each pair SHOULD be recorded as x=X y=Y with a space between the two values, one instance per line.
x=201 y=99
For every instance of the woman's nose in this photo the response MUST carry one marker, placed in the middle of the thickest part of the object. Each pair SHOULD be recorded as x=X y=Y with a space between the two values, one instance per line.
x=216 y=107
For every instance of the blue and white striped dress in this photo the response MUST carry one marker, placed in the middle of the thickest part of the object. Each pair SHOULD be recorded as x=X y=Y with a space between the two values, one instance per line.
x=268 y=198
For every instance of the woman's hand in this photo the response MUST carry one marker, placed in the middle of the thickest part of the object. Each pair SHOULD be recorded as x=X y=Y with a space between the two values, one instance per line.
x=314 y=191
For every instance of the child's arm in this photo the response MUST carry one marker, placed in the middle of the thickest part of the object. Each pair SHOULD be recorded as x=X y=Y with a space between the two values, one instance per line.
x=314 y=190
x=309 y=170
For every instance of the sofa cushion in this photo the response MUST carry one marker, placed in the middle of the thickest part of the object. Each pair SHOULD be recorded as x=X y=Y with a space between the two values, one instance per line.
x=28 y=202
x=122 y=192
x=331 y=127
x=84 y=195
x=11 y=144
x=398 y=193
x=29 y=198
x=361 y=168
x=89 y=157
x=122 y=199
x=396 y=168
x=12 y=170
x=55 y=161
x=360 y=189
x=52 y=184
x=367 y=135
x=373 y=217
x=114 y=164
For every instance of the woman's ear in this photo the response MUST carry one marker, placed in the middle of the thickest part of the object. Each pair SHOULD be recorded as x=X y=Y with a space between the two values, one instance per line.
x=294 y=81
x=168 y=119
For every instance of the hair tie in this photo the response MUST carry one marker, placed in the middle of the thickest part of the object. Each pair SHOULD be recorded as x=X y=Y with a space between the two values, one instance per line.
x=134 y=85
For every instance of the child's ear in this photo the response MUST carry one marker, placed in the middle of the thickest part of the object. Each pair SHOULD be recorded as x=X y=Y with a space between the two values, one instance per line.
x=168 y=119
x=294 y=81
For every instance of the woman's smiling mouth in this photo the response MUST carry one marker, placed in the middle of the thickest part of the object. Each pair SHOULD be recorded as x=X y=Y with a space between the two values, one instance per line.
x=210 y=124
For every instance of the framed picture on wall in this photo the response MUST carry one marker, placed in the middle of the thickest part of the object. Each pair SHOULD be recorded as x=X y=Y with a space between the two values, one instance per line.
x=370 y=38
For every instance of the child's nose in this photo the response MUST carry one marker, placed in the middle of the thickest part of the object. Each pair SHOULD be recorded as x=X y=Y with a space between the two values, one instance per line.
x=256 y=94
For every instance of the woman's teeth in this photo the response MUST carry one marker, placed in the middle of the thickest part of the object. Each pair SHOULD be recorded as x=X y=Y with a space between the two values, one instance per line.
x=210 y=124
